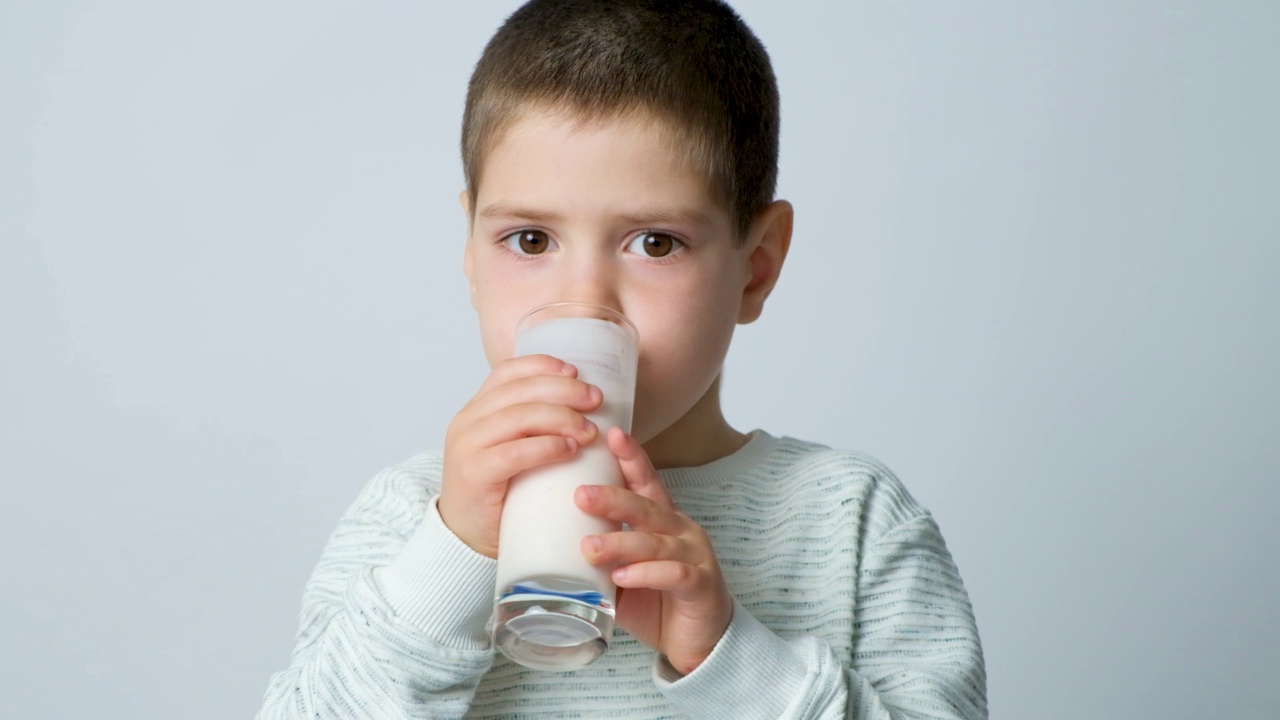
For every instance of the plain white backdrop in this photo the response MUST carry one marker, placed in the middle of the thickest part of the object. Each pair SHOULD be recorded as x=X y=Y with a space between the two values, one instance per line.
x=1034 y=271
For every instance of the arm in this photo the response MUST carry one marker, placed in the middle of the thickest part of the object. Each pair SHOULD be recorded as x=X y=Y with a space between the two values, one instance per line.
x=393 y=619
x=915 y=650
x=916 y=653
x=380 y=635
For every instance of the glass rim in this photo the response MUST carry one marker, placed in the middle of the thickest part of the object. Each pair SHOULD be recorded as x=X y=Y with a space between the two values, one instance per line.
x=610 y=314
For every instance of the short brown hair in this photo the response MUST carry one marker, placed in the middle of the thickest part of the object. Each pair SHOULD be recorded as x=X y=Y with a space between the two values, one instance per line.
x=694 y=64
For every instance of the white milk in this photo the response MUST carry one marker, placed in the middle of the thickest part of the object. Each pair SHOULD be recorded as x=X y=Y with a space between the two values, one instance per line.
x=542 y=529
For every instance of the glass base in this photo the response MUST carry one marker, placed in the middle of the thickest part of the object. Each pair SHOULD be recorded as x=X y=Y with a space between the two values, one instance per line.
x=546 y=632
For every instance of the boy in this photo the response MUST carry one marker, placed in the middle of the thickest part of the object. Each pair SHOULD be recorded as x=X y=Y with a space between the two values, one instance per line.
x=624 y=153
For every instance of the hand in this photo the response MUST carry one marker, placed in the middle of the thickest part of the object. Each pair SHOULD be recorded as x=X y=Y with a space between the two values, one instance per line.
x=671 y=594
x=528 y=412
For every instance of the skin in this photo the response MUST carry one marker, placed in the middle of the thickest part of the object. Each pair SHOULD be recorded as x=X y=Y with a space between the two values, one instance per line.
x=610 y=212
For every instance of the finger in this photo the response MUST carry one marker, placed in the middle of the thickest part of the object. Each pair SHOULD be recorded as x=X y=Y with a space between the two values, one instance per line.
x=637 y=470
x=682 y=580
x=530 y=420
x=624 y=548
x=511 y=458
x=526 y=366
x=555 y=389
x=621 y=505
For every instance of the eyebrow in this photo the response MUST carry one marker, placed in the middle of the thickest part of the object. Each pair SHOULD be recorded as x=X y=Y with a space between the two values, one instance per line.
x=653 y=216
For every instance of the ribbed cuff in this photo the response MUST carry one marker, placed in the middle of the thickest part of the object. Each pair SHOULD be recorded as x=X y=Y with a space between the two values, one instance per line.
x=751 y=673
x=441 y=586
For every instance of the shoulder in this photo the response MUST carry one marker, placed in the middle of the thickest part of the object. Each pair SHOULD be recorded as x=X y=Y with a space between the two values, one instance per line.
x=847 y=477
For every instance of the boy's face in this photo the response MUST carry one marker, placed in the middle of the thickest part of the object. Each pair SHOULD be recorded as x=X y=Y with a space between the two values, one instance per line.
x=609 y=212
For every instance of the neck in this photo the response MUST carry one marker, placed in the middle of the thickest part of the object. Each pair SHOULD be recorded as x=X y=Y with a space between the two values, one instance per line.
x=701 y=436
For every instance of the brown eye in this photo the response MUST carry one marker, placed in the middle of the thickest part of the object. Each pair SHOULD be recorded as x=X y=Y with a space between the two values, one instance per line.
x=528 y=242
x=654 y=245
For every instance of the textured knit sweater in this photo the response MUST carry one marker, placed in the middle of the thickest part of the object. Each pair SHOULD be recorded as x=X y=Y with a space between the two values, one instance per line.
x=846 y=605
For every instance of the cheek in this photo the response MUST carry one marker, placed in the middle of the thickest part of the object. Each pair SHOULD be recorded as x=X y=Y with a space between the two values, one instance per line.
x=681 y=355
x=496 y=347
x=693 y=332
x=497 y=329
x=500 y=300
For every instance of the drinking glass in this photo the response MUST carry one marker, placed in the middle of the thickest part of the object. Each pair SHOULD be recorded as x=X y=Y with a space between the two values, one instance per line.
x=552 y=609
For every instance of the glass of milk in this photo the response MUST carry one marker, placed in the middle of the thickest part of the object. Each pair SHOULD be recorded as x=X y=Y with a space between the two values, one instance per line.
x=553 y=610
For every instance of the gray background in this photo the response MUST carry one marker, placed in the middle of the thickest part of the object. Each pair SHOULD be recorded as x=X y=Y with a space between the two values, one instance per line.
x=1034 y=271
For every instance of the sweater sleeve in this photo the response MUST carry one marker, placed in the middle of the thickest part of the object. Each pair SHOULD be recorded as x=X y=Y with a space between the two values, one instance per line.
x=916 y=651
x=381 y=634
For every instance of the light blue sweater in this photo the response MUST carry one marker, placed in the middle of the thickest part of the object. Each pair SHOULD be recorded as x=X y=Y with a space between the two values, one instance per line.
x=847 y=605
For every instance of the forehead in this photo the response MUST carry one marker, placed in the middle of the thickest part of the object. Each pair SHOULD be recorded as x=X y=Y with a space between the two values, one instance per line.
x=531 y=117
x=553 y=153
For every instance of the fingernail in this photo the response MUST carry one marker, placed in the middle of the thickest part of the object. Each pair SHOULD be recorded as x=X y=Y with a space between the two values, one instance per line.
x=570 y=444
x=595 y=543
x=569 y=370
x=590 y=426
x=619 y=574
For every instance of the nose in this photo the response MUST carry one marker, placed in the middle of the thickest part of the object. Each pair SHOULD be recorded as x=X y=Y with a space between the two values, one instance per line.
x=592 y=278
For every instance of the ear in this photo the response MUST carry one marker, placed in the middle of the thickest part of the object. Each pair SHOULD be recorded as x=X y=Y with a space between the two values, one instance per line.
x=767 y=243
x=467 y=263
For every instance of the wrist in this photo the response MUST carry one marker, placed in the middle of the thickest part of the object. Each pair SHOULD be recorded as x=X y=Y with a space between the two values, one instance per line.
x=751 y=672
x=465 y=533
